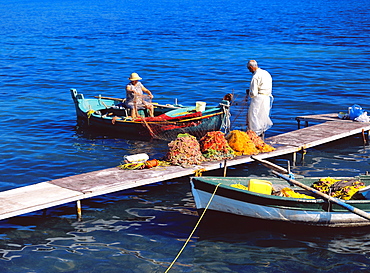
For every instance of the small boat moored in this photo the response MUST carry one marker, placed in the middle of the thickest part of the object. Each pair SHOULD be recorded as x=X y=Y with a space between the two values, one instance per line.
x=108 y=116
x=237 y=196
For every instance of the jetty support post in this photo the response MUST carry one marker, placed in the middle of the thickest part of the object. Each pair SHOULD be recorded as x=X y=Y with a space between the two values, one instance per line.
x=303 y=153
x=294 y=159
x=79 y=210
x=365 y=137
x=299 y=123
x=225 y=167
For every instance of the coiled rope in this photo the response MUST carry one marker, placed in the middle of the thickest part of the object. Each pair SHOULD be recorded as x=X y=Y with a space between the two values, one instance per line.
x=191 y=234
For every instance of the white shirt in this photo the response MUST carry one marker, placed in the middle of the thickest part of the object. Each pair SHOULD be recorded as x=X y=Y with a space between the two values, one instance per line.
x=261 y=83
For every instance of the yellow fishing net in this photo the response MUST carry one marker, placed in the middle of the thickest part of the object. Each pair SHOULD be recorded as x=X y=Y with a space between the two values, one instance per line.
x=287 y=192
x=239 y=186
x=343 y=189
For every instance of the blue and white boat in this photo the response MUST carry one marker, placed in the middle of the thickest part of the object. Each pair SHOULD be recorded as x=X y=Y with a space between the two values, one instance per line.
x=108 y=116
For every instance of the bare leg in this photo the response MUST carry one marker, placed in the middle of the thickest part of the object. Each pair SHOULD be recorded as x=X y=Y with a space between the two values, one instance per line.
x=134 y=112
x=151 y=110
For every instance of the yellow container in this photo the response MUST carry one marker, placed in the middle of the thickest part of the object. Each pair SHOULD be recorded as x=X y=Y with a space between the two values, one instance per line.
x=260 y=186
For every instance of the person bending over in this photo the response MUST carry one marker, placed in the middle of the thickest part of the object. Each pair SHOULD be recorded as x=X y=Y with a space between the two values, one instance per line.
x=260 y=94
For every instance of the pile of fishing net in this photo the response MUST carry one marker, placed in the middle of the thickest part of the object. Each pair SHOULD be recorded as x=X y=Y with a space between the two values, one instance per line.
x=184 y=151
x=247 y=143
x=214 y=146
x=343 y=189
x=259 y=143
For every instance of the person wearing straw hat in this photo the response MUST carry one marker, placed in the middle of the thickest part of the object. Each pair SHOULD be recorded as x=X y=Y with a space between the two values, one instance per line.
x=135 y=98
x=260 y=92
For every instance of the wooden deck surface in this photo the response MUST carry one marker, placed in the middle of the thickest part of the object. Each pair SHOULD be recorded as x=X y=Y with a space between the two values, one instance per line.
x=322 y=117
x=68 y=189
x=319 y=134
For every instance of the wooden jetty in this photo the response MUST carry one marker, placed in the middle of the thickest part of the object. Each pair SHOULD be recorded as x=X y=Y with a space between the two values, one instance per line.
x=48 y=194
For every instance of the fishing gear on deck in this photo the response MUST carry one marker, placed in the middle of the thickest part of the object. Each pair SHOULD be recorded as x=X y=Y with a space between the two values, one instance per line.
x=144 y=165
x=140 y=161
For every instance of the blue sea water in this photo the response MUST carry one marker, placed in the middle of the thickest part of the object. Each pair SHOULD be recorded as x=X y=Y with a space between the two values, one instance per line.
x=317 y=53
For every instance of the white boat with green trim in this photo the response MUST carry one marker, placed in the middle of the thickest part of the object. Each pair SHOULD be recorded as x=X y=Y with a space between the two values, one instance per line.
x=233 y=195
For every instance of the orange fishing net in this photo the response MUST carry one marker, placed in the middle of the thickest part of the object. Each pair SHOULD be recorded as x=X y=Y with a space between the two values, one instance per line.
x=259 y=143
x=247 y=143
x=241 y=143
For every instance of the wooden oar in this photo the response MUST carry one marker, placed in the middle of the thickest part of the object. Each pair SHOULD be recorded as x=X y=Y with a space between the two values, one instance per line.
x=325 y=196
x=271 y=165
x=154 y=104
x=108 y=98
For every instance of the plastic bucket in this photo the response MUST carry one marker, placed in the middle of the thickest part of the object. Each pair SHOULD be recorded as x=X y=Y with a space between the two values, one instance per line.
x=200 y=106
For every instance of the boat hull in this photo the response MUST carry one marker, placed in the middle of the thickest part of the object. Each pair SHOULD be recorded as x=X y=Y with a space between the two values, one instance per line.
x=314 y=212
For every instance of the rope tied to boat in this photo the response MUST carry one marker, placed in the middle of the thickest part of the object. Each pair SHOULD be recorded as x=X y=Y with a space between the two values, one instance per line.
x=191 y=234
x=199 y=172
x=90 y=112
x=226 y=124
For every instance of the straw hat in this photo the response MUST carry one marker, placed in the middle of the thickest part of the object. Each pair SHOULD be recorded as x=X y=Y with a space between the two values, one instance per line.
x=134 y=77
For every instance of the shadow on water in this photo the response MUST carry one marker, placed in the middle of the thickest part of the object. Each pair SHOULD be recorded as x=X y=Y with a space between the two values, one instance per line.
x=224 y=227
x=154 y=148
x=96 y=133
x=269 y=247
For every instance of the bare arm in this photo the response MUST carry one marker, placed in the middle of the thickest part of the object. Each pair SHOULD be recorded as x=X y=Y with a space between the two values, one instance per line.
x=129 y=89
x=147 y=91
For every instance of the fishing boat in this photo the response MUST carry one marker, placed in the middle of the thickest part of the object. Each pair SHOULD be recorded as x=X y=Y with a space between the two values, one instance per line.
x=253 y=198
x=109 y=116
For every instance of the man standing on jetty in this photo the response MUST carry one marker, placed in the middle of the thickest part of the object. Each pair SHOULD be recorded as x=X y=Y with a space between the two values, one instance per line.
x=260 y=92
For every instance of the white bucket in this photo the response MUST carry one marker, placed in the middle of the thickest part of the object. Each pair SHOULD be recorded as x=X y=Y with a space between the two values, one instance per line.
x=136 y=158
x=200 y=106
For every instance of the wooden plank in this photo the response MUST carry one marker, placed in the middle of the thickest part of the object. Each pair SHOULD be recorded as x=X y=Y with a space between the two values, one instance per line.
x=319 y=134
x=33 y=198
x=321 y=117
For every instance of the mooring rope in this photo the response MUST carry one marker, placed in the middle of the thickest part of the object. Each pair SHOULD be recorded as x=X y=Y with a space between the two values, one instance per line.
x=152 y=134
x=191 y=234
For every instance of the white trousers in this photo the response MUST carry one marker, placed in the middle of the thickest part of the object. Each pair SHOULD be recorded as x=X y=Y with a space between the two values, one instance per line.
x=259 y=114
